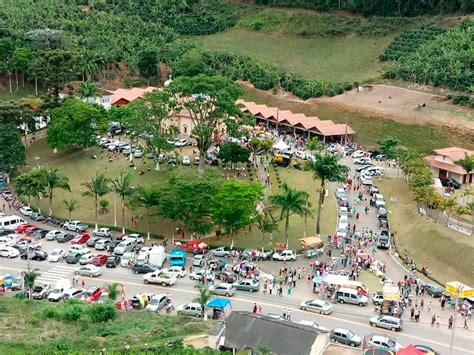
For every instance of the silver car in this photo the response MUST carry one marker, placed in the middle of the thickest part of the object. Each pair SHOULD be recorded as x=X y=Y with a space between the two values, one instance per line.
x=223 y=289
x=190 y=309
x=250 y=285
x=319 y=306
x=89 y=270
x=387 y=322
x=221 y=251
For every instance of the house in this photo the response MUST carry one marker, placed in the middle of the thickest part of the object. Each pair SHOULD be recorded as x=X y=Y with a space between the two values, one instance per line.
x=122 y=97
x=442 y=163
x=285 y=120
x=105 y=98
x=247 y=332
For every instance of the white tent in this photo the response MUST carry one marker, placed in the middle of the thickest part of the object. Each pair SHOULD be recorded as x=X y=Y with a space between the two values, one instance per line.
x=282 y=146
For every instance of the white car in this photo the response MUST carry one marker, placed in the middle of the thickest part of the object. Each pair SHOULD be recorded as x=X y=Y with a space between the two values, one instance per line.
x=102 y=232
x=284 y=255
x=363 y=161
x=313 y=325
x=143 y=253
x=138 y=153
x=86 y=259
x=319 y=306
x=102 y=244
x=178 y=271
x=300 y=154
x=75 y=226
x=199 y=275
x=9 y=252
x=159 y=277
x=383 y=341
x=358 y=154
x=126 y=258
x=221 y=251
x=89 y=270
x=52 y=235
x=79 y=249
x=186 y=160
x=56 y=255
x=181 y=143
x=366 y=180
x=26 y=211
x=137 y=238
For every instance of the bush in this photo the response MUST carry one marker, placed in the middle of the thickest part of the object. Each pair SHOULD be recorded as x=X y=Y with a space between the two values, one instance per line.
x=101 y=312
x=105 y=331
x=72 y=311
x=50 y=311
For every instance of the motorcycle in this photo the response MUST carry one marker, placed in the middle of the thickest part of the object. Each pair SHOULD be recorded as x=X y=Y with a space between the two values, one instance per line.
x=169 y=307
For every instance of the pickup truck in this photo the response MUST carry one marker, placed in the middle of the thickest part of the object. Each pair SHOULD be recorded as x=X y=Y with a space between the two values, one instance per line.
x=75 y=226
x=194 y=246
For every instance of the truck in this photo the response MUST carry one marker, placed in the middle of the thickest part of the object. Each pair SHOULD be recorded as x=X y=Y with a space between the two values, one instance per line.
x=75 y=226
x=157 y=256
x=194 y=246
x=178 y=257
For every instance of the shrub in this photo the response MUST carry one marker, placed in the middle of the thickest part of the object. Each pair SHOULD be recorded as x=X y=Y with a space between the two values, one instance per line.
x=50 y=311
x=72 y=311
x=101 y=312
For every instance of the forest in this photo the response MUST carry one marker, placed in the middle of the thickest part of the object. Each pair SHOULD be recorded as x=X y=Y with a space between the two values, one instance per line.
x=379 y=7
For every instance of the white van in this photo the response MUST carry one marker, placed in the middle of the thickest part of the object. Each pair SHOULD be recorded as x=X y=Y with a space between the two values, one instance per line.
x=11 y=222
x=62 y=286
x=352 y=296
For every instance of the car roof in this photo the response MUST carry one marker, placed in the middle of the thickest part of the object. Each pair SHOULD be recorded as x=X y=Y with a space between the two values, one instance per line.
x=340 y=330
x=381 y=337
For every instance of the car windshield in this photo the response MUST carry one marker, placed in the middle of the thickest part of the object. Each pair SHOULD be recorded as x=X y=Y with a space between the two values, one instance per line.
x=38 y=289
x=391 y=343
x=154 y=301
x=350 y=334
x=56 y=290
x=55 y=252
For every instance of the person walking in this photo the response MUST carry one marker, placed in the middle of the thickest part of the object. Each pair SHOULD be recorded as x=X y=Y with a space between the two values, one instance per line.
x=284 y=313
x=260 y=309
x=430 y=306
x=422 y=304
x=288 y=314
x=289 y=290
x=450 y=322
x=254 y=310
x=438 y=319
x=433 y=320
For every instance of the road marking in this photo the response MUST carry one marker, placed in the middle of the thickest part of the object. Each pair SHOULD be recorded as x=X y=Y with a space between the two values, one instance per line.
x=410 y=336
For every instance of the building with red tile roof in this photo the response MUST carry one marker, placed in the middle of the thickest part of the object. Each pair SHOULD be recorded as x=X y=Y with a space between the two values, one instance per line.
x=326 y=129
x=442 y=163
x=121 y=97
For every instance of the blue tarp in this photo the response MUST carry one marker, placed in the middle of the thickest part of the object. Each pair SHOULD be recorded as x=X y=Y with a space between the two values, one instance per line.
x=318 y=279
x=219 y=303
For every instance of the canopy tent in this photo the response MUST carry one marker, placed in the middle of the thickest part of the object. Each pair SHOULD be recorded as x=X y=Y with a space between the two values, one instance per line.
x=409 y=350
x=311 y=242
x=458 y=288
x=219 y=303
x=281 y=146
x=318 y=279
x=391 y=293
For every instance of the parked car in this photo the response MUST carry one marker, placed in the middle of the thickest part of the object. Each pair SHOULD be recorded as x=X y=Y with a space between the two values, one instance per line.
x=73 y=293
x=221 y=251
x=79 y=249
x=92 y=294
x=426 y=349
x=73 y=258
x=450 y=182
x=433 y=290
x=86 y=259
x=345 y=336
x=81 y=238
x=102 y=232
x=377 y=298
x=52 y=235
x=358 y=154
x=318 y=306
x=112 y=261
x=181 y=142
x=190 y=309
x=313 y=325
x=142 y=268
x=387 y=322
x=384 y=341
x=26 y=211
x=92 y=241
x=223 y=289
x=75 y=226
x=102 y=244
x=37 y=216
x=9 y=252
x=250 y=285
x=134 y=237
x=89 y=270
x=178 y=271
x=186 y=160
x=198 y=260
x=35 y=255
x=41 y=291
x=284 y=255
x=199 y=275
x=159 y=277
x=63 y=238
x=99 y=260
x=23 y=227
x=57 y=255
x=40 y=233
x=157 y=303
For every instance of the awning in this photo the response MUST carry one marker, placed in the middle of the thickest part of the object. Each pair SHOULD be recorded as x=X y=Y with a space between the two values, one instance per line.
x=391 y=293
x=281 y=146
x=409 y=350
x=219 y=303
x=310 y=242
x=460 y=289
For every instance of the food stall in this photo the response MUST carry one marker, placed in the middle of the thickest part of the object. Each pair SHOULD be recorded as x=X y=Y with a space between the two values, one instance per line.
x=459 y=289
x=391 y=298
x=219 y=306
x=313 y=247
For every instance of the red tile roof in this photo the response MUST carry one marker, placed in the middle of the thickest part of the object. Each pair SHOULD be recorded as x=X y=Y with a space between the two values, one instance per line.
x=131 y=94
x=299 y=120
x=454 y=153
x=453 y=168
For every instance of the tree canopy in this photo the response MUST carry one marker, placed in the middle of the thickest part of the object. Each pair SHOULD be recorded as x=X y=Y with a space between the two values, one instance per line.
x=233 y=153
x=12 y=151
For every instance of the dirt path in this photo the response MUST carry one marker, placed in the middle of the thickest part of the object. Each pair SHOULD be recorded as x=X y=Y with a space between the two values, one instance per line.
x=401 y=105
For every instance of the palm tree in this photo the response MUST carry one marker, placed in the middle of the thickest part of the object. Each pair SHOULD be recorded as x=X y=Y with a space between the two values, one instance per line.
x=70 y=205
x=290 y=201
x=467 y=163
x=29 y=278
x=97 y=187
x=307 y=212
x=122 y=186
x=325 y=167
x=314 y=145
x=113 y=290
x=447 y=206
x=88 y=90
x=146 y=197
x=202 y=298
x=267 y=223
x=53 y=179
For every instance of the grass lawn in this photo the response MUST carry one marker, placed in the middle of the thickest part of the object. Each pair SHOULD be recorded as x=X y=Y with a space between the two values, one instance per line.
x=370 y=129
x=343 y=58
x=79 y=167
x=15 y=95
x=370 y=280
x=25 y=331
x=446 y=252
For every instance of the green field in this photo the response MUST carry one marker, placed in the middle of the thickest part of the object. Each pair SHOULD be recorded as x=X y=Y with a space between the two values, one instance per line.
x=78 y=166
x=26 y=331
x=446 y=252
x=343 y=58
x=370 y=129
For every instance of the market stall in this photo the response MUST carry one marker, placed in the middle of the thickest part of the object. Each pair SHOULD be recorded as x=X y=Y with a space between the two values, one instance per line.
x=219 y=306
x=391 y=298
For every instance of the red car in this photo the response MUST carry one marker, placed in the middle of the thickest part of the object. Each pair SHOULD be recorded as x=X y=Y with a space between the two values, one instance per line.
x=81 y=238
x=194 y=246
x=22 y=227
x=92 y=294
x=99 y=259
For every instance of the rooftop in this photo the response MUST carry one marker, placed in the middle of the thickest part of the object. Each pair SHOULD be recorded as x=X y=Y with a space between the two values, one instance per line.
x=131 y=94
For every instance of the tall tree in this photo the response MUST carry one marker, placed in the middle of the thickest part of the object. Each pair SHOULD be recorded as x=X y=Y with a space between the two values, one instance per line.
x=97 y=187
x=387 y=146
x=325 y=167
x=70 y=206
x=122 y=186
x=267 y=223
x=467 y=163
x=88 y=90
x=30 y=184
x=209 y=101
x=203 y=298
x=75 y=123
x=53 y=179
x=146 y=197
x=129 y=116
x=290 y=201
x=233 y=153
x=21 y=58
x=12 y=151
x=148 y=64
x=234 y=205
x=448 y=205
